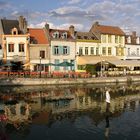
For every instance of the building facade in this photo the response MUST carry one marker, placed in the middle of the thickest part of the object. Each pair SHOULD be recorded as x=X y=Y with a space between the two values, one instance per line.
x=62 y=48
x=15 y=41
x=39 y=50
x=132 y=47
x=112 y=40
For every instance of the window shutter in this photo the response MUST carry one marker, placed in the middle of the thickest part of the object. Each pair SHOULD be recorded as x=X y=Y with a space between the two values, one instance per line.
x=68 y=50
x=61 y=50
x=53 y=49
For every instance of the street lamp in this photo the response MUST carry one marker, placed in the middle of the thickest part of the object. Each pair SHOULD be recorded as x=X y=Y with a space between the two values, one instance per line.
x=40 y=66
x=102 y=67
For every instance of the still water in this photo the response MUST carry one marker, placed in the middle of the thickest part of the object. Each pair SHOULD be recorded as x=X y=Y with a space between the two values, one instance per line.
x=70 y=113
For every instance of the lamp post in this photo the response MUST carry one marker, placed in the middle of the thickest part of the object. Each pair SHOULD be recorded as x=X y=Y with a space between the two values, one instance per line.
x=40 y=67
x=102 y=67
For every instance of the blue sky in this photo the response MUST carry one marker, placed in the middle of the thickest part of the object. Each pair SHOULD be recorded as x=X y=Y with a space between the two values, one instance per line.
x=80 y=13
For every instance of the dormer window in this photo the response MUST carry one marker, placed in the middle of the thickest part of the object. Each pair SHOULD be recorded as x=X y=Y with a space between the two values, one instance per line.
x=64 y=35
x=14 y=31
x=92 y=38
x=138 y=40
x=85 y=37
x=79 y=37
x=56 y=34
x=129 y=39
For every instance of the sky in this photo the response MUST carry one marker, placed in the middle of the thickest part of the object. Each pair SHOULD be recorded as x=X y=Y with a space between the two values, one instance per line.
x=80 y=13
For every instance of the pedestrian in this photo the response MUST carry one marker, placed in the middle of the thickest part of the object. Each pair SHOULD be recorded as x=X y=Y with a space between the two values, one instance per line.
x=107 y=97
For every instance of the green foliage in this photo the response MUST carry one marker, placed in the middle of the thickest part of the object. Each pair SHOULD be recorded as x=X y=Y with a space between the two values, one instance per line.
x=91 y=69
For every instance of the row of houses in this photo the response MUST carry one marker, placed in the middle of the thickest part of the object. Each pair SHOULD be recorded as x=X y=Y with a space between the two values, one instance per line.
x=41 y=49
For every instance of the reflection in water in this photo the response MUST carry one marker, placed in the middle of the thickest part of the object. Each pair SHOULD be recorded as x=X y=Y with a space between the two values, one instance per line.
x=64 y=107
x=107 y=115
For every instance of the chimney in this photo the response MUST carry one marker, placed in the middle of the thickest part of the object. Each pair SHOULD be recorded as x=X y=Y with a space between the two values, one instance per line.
x=134 y=34
x=71 y=30
x=96 y=24
x=21 y=23
x=25 y=26
x=47 y=31
x=47 y=26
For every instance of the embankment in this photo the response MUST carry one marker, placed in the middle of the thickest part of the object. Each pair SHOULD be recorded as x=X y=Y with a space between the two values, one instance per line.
x=66 y=81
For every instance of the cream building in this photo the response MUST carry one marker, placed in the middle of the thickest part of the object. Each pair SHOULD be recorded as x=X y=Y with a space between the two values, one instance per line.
x=16 y=47
x=112 y=40
x=15 y=41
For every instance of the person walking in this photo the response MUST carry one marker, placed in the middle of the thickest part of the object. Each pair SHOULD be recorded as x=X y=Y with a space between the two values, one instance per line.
x=107 y=96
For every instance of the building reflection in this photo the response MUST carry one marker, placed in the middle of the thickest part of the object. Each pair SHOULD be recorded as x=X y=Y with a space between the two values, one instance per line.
x=83 y=101
x=47 y=107
x=107 y=116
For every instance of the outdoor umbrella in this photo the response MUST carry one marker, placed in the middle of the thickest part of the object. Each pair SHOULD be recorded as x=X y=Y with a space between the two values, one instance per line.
x=49 y=64
x=9 y=65
x=65 y=64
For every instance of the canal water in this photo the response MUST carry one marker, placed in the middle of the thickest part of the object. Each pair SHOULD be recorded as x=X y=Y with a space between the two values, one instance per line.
x=70 y=112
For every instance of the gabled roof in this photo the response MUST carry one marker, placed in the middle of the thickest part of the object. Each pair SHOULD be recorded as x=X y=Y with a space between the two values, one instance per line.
x=8 y=25
x=51 y=31
x=103 y=29
x=38 y=36
x=86 y=36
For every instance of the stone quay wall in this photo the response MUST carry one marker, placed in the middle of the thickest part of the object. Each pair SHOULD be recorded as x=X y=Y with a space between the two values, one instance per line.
x=66 y=81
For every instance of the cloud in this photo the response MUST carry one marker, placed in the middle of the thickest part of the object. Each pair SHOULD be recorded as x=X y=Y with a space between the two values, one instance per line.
x=4 y=5
x=74 y=1
x=38 y=25
x=54 y=26
x=82 y=13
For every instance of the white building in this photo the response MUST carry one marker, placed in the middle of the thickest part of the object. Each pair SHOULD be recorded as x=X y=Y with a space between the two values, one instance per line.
x=62 y=48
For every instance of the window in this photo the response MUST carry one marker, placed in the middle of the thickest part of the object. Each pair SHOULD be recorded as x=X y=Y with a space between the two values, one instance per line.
x=109 y=38
x=116 y=39
x=85 y=37
x=104 y=50
x=109 y=50
x=21 y=47
x=42 y=54
x=86 y=50
x=10 y=47
x=92 y=50
x=103 y=38
x=56 y=35
x=79 y=37
x=64 y=35
x=65 y=50
x=80 y=51
x=137 y=51
x=128 y=51
x=56 y=50
x=120 y=39
x=14 y=31
x=97 y=51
